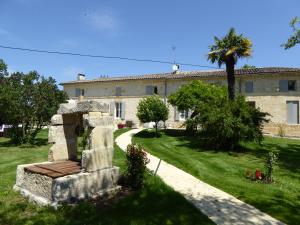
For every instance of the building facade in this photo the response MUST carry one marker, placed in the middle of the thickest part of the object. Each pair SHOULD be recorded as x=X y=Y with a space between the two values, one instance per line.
x=273 y=90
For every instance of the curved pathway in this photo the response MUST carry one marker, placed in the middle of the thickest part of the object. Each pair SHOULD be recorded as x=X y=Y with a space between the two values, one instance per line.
x=219 y=206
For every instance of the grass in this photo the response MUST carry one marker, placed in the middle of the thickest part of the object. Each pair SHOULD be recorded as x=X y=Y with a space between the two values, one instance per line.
x=155 y=204
x=225 y=170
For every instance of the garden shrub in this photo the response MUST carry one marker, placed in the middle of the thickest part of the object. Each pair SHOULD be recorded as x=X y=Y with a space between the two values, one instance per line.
x=270 y=161
x=136 y=166
x=227 y=125
x=222 y=122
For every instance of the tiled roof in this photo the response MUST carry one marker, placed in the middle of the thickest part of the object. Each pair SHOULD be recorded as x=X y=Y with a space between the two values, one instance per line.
x=193 y=74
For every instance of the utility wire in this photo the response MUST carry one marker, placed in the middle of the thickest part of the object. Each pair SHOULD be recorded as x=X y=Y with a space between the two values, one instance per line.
x=103 y=56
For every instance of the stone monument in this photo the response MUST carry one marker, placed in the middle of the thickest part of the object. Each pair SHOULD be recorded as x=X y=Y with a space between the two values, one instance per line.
x=65 y=177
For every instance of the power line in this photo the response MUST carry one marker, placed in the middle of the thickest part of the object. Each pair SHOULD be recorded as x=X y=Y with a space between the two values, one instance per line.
x=103 y=56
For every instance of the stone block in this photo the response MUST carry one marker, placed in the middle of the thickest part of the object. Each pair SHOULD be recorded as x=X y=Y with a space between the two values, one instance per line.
x=97 y=159
x=68 y=119
x=84 y=185
x=57 y=120
x=95 y=114
x=58 y=134
x=63 y=151
x=38 y=184
x=83 y=107
x=102 y=122
x=44 y=190
x=101 y=137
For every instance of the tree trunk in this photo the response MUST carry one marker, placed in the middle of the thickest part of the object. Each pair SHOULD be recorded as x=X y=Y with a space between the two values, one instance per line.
x=156 y=129
x=230 y=77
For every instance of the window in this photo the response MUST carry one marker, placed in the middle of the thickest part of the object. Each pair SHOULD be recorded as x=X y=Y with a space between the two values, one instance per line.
x=249 y=87
x=287 y=85
x=292 y=85
x=120 y=110
x=79 y=92
x=292 y=112
x=183 y=115
x=251 y=103
x=150 y=90
x=118 y=91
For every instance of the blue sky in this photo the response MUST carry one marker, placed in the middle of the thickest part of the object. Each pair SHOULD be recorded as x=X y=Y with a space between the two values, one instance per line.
x=139 y=29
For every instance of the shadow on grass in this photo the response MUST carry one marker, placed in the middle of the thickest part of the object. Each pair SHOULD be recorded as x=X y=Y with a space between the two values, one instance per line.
x=288 y=153
x=155 y=204
x=38 y=142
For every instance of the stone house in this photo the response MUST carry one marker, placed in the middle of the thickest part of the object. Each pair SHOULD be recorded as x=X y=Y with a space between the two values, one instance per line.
x=275 y=90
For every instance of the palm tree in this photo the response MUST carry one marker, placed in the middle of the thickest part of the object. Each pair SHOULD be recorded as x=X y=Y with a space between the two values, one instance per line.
x=227 y=51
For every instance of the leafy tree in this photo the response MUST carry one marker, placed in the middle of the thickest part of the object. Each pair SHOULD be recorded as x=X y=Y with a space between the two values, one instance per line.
x=295 y=37
x=193 y=95
x=27 y=102
x=227 y=51
x=223 y=122
x=152 y=109
x=247 y=66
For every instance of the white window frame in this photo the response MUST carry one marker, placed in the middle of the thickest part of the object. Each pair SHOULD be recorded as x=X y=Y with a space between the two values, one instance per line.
x=118 y=110
x=183 y=115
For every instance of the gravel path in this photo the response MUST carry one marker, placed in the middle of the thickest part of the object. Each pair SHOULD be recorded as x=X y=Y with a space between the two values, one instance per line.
x=219 y=206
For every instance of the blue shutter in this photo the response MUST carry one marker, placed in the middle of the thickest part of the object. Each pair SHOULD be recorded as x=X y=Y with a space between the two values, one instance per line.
x=292 y=112
x=176 y=114
x=149 y=90
x=123 y=111
x=112 y=108
x=249 y=86
x=283 y=85
x=118 y=91
x=77 y=92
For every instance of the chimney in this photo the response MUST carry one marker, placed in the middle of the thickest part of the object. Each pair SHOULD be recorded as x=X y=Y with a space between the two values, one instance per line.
x=80 y=76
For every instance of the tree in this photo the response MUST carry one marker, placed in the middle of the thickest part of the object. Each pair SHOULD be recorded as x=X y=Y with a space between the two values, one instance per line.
x=193 y=95
x=152 y=109
x=295 y=37
x=27 y=102
x=223 y=123
x=227 y=51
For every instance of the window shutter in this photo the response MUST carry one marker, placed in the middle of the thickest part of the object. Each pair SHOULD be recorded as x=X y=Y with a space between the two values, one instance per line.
x=283 y=85
x=118 y=91
x=249 y=86
x=149 y=90
x=123 y=111
x=77 y=92
x=176 y=114
x=112 y=108
x=190 y=113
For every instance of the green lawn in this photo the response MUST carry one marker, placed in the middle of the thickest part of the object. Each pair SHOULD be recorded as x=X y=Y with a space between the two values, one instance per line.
x=226 y=170
x=155 y=204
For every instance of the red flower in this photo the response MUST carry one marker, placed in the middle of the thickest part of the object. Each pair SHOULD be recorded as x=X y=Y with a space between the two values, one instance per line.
x=258 y=174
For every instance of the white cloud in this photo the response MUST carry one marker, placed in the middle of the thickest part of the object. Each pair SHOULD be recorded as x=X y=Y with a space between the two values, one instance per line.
x=105 y=20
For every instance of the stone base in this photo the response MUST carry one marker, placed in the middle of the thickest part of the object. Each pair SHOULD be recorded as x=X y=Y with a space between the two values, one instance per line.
x=44 y=190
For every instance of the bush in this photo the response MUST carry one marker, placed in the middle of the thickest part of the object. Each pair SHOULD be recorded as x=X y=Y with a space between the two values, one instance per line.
x=270 y=161
x=136 y=166
x=223 y=122
x=232 y=122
